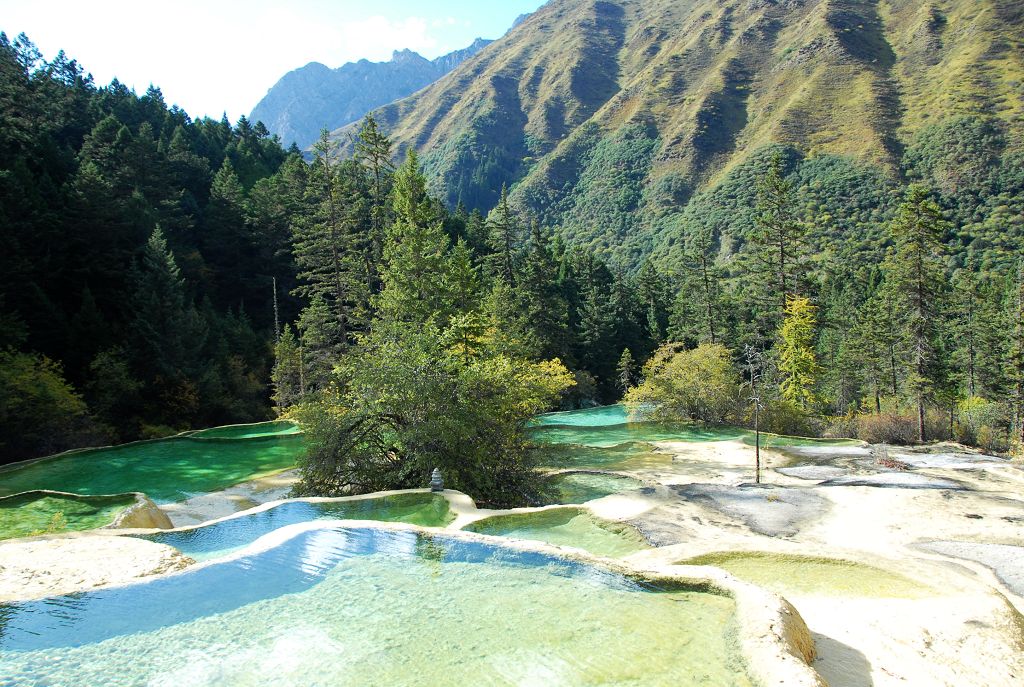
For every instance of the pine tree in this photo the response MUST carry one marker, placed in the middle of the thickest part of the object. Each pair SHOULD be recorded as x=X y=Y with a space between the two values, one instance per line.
x=652 y=295
x=1016 y=357
x=626 y=370
x=704 y=280
x=373 y=152
x=797 y=363
x=467 y=325
x=287 y=376
x=540 y=303
x=779 y=238
x=325 y=251
x=917 y=274
x=415 y=268
x=504 y=240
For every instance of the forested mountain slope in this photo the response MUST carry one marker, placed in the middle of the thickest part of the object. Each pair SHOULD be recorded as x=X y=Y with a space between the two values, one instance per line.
x=313 y=97
x=608 y=116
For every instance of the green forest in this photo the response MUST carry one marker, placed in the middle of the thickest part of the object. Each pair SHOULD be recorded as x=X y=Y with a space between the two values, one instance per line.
x=161 y=273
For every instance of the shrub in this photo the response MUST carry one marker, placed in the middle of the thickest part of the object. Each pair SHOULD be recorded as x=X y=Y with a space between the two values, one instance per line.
x=887 y=428
x=993 y=440
x=841 y=426
x=681 y=385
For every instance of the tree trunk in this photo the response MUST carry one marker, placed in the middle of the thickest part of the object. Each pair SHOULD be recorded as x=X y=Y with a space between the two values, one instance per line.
x=920 y=418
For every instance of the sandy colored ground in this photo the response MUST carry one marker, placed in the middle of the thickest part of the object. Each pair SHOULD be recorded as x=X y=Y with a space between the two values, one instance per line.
x=36 y=568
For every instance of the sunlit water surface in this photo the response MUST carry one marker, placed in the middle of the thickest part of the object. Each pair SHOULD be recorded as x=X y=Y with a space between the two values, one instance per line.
x=368 y=607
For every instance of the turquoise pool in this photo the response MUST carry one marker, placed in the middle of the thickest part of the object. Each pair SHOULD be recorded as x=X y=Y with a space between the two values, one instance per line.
x=221 y=538
x=361 y=606
x=166 y=470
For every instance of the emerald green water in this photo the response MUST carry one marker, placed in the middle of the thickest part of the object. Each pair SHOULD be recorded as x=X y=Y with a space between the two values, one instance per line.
x=366 y=607
x=790 y=574
x=31 y=514
x=581 y=487
x=588 y=417
x=168 y=470
x=604 y=439
x=565 y=527
x=259 y=429
x=212 y=541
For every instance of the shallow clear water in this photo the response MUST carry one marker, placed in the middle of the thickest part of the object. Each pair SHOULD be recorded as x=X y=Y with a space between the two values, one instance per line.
x=587 y=417
x=790 y=574
x=623 y=457
x=168 y=470
x=29 y=514
x=367 y=607
x=259 y=429
x=212 y=541
x=603 y=439
x=580 y=487
x=565 y=527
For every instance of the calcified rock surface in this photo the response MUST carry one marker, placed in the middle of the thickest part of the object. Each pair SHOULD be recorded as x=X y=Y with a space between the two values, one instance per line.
x=951 y=523
x=33 y=569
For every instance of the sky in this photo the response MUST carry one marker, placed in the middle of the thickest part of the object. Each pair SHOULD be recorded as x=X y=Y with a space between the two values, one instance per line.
x=215 y=56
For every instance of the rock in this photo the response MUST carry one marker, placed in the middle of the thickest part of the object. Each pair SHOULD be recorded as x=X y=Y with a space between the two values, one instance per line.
x=768 y=510
x=51 y=567
x=894 y=480
x=1006 y=561
x=812 y=472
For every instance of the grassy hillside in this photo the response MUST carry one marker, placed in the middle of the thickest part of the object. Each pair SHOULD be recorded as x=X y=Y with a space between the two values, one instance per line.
x=608 y=116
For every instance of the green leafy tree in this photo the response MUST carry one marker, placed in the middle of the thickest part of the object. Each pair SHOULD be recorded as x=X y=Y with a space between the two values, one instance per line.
x=412 y=404
x=686 y=385
x=797 y=363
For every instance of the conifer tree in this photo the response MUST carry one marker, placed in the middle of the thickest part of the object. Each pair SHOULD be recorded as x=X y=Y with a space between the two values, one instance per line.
x=917 y=275
x=416 y=248
x=1016 y=358
x=287 y=376
x=704 y=276
x=542 y=308
x=373 y=152
x=626 y=370
x=779 y=238
x=504 y=240
x=325 y=251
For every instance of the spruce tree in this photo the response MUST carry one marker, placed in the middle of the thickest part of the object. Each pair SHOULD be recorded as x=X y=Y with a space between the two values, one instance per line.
x=504 y=240
x=542 y=307
x=917 y=274
x=325 y=249
x=626 y=371
x=286 y=376
x=373 y=152
x=415 y=255
x=779 y=238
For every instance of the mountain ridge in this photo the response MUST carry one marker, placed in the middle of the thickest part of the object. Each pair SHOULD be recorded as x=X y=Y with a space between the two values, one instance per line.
x=620 y=111
x=315 y=96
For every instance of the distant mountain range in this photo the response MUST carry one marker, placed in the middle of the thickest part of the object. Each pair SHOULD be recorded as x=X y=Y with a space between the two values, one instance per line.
x=306 y=100
x=606 y=117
